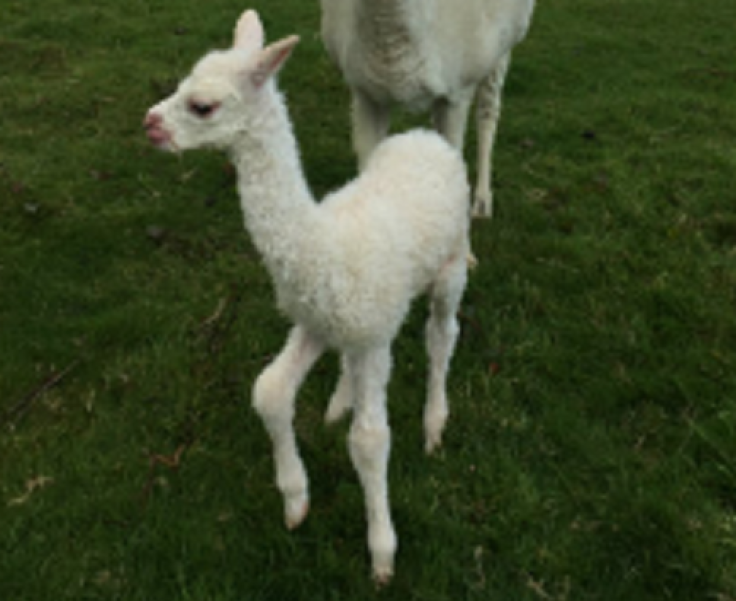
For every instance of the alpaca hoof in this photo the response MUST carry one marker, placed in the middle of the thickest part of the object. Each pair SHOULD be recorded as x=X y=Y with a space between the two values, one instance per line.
x=433 y=443
x=382 y=544
x=483 y=207
x=434 y=426
x=382 y=577
x=296 y=513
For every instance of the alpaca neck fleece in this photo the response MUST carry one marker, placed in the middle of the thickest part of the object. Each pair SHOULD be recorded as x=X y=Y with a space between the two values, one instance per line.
x=279 y=210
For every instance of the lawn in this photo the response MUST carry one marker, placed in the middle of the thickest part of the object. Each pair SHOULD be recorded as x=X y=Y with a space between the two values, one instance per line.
x=591 y=452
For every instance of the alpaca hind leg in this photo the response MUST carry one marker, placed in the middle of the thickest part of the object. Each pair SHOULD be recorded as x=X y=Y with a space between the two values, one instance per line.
x=273 y=398
x=369 y=443
x=342 y=399
x=441 y=336
x=488 y=109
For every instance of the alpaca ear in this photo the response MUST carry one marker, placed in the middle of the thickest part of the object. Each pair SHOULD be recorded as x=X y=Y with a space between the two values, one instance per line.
x=270 y=60
x=249 y=32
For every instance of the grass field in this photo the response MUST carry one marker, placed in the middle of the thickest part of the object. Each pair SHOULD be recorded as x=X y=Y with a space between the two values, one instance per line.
x=591 y=454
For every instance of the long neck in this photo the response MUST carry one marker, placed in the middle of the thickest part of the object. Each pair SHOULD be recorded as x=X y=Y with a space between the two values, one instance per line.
x=279 y=210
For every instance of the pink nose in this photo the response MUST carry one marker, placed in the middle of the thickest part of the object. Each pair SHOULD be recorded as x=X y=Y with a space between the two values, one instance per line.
x=154 y=126
x=152 y=120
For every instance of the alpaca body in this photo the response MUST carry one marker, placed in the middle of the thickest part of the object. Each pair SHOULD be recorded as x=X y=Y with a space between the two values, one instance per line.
x=363 y=263
x=426 y=55
x=345 y=270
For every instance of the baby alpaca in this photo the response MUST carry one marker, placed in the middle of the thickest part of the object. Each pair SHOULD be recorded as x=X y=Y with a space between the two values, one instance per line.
x=344 y=270
x=426 y=54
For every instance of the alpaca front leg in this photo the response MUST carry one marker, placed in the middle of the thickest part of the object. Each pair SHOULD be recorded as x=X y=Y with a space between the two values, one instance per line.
x=369 y=444
x=342 y=399
x=273 y=398
x=370 y=126
x=488 y=109
x=451 y=119
x=441 y=336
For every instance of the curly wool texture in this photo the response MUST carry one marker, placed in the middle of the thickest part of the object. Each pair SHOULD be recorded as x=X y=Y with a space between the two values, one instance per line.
x=350 y=265
x=345 y=270
x=376 y=244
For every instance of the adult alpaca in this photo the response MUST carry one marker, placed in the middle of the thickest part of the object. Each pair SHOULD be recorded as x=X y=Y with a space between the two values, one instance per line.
x=426 y=54
x=345 y=270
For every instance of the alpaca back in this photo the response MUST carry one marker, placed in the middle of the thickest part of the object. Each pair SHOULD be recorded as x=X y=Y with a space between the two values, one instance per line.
x=385 y=238
x=407 y=214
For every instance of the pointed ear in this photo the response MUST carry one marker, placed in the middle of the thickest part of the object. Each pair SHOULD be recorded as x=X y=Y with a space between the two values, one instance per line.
x=249 y=32
x=270 y=60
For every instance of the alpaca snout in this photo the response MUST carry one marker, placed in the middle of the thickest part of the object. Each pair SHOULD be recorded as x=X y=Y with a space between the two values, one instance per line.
x=152 y=120
x=155 y=130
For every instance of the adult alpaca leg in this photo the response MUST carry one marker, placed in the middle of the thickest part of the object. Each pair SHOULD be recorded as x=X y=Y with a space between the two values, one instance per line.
x=441 y=335
x=370 y=126
x=451 y=120
x=488 y=109
x=369 y=443
x=273 y=399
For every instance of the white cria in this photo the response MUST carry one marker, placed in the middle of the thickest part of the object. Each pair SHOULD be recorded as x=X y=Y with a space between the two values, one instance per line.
x=345 y=270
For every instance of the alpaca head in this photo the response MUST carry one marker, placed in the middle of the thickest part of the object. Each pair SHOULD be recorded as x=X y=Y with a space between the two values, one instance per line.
x=223 y=95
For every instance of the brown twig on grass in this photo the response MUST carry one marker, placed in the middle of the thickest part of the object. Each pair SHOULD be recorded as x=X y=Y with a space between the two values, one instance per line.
x=216 y=327
x=22 y=407
x=32 y=485
x=171 y=461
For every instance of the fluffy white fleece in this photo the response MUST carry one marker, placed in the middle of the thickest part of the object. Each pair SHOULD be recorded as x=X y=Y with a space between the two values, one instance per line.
x=345 y=270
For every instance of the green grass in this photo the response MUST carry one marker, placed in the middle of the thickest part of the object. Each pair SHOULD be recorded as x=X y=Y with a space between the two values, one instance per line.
x=590 y=454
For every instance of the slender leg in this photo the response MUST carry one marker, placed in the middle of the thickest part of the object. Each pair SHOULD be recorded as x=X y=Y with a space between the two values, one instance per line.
x=369 y=444
x=273 y=399
x=441 y=336
x=451 y=119
x=342 y=399
x=370 y=126
x=487 y=110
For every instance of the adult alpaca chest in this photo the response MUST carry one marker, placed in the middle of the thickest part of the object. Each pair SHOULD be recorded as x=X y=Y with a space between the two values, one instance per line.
x=388 y=58
x=436 y=55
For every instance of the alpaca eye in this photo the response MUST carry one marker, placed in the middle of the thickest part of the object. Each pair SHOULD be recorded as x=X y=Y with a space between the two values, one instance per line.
x=202 y=109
